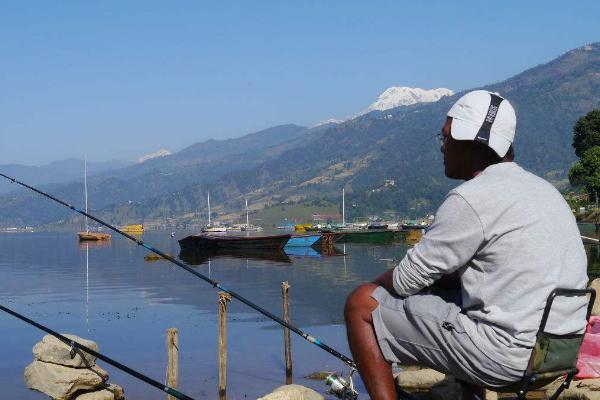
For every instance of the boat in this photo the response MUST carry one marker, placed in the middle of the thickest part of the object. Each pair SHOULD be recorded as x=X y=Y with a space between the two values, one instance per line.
x=286 y=226
x=135 y=229
x=408 y=225
x=249 y=227
x=210 y=228
x=303 y=240
x=87 y=235
x=207 y=242
x=303 y=227
x=93 y=236
x=368 y=236
x=302 y=252
x=377 y=226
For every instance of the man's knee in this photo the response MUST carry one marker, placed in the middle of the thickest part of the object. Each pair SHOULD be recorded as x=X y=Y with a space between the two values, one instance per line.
x=360 y=303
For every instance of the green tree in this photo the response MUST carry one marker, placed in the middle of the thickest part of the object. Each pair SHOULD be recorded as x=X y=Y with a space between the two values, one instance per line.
x=586 y=133
x=587 y=172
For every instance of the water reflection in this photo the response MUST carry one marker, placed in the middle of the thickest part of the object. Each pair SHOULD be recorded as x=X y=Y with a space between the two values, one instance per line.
x=198 y=257
x=110 y=294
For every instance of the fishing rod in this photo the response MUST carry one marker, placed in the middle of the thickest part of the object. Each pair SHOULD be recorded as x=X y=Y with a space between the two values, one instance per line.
x=348 y=391
x=75 y=345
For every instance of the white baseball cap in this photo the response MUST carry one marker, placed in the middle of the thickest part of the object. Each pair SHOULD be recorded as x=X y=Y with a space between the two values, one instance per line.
x=485 y=117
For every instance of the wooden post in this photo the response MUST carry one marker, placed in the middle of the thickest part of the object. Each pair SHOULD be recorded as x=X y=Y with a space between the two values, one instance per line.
x=327 y=244
x=224 y=298
x=173 y=359
x=285 y=286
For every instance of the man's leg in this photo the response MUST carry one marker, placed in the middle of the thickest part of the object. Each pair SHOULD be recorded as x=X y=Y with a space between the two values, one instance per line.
x=374 y=370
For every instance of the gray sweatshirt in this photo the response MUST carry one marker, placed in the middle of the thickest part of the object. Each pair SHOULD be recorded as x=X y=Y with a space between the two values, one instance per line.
x=513 y=239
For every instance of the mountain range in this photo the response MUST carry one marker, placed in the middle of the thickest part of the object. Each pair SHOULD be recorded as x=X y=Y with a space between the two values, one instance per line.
x=386 y=160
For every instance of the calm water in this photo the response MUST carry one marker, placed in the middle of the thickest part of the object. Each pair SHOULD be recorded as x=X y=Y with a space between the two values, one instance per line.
x=125 y=304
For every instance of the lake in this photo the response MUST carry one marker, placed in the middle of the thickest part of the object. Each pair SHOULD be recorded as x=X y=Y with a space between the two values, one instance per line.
x=126 y=304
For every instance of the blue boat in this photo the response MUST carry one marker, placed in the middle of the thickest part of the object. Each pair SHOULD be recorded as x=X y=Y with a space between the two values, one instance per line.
x=303 y=240
x=301 y=252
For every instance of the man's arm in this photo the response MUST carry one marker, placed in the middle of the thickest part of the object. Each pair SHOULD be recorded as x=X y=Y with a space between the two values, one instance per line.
x=386 y=280
x=453 y=239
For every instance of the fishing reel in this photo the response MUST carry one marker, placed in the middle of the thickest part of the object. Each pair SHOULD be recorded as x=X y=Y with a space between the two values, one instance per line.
x=342 y=388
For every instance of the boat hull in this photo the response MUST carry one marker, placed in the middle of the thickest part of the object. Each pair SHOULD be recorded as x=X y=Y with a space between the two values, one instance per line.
x=135 y=229
x=93 y=236
x=368 y=236
x=201 y=242
x=302 y=240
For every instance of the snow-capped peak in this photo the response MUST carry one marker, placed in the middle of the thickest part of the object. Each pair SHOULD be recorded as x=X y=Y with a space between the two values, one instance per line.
x=396 y=96
x=156 y=154
x=405 y=96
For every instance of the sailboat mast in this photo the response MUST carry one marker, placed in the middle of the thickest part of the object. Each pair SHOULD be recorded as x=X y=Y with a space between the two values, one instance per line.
x=247 y=220
x=208 y=200
x=343 y=207
x=85 y=190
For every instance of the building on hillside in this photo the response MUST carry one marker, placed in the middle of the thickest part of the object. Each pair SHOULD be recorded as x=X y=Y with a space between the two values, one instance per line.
x=326 y=218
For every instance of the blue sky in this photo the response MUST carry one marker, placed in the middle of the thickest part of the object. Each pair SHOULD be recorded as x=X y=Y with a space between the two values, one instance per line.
x=116 y=80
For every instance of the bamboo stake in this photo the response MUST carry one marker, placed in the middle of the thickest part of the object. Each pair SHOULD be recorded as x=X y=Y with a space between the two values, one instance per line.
x=173 y=359
x=285 y=286
x=224 y=298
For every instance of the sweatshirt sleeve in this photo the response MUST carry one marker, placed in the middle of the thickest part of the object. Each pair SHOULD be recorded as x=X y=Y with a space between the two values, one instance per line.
x=449 y=244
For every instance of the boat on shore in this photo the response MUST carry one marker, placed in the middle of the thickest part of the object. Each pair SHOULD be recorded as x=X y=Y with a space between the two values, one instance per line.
x=303 y=240
x=207 y=242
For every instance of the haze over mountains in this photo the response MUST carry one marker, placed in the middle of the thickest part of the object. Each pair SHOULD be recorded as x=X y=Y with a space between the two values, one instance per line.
x=386 y=160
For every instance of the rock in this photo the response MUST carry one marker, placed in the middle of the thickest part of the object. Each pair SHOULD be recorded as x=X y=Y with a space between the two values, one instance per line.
x=117 y=391
x=52 y=350
x=421 y=379
x=595 y=284
x=292 y=392
x=585 y=389
x=99 y=395
x=60 y=382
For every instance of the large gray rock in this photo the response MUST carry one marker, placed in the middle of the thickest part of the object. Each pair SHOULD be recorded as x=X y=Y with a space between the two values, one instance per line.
x=99 y=395
x=292 y=392
x=595 y=284
x=52 y=350
x=110 y=392
x=60 y=382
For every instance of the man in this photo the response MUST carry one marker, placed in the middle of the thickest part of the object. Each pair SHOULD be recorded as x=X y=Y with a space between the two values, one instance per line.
x=511 y=239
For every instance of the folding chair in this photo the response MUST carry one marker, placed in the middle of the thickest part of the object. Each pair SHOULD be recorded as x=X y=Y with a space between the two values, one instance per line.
x=552 y=357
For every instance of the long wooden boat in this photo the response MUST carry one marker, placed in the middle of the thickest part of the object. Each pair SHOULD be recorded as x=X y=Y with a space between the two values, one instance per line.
x=371 y=236
x=93 y=236
x=234 y=242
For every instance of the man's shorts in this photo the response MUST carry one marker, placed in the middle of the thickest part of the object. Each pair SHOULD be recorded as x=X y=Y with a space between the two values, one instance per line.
x=423 y=329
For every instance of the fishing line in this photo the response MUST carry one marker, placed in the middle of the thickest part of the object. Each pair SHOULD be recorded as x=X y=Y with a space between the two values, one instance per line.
x=74 y=345
x=347 y=360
